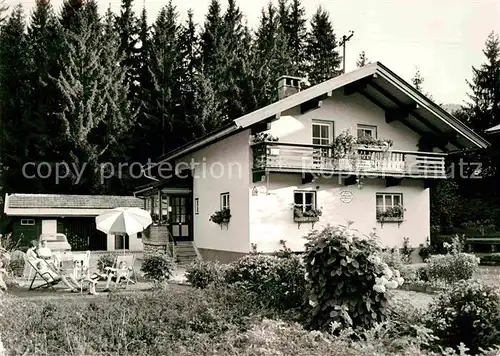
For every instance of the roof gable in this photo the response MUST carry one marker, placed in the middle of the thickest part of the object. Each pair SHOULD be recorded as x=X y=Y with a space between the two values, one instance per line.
x=381 y=86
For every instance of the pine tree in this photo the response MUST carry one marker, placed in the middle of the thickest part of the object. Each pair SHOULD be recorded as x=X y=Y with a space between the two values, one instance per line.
x=127 y=27
x=321 y=44
x=45 y=39
x=483 y=110
x=272 y=55
x=69 y=12
x=95 y=112
x=15 y=101
x=211 y=37
x=362 y=60
x=163 y=67
x=295 y=30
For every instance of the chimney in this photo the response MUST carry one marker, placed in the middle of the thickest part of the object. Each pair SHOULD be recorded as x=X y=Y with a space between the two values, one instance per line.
x=287 y=86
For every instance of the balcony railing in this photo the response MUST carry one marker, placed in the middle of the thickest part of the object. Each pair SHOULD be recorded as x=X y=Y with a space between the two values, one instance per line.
x=287 y=157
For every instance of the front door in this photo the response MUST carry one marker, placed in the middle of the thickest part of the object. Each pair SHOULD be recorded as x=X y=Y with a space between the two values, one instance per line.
x=180 y=217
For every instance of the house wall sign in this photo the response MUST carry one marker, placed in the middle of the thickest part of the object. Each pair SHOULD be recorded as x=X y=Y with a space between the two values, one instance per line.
x=346 y=196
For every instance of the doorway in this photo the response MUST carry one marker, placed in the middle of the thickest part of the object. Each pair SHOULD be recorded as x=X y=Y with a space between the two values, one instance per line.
x=180 y=217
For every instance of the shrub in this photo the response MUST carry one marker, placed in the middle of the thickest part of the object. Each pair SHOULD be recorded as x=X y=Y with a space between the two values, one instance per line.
x=470 y=313
x=490 y=260
x=200 y=274
x=107 y=260
x=279 y=283
x=451 y=268
x=347 y=280
x=157 y=267
x=16 y=264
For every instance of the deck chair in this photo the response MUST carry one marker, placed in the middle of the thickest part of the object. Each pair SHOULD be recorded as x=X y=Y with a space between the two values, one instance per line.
x=123 y=270
x=49 y=282
x=81 y=268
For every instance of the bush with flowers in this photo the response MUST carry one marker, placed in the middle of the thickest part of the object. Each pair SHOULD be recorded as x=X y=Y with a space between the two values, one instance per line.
x=469 y=312
x=451 y=267
x=278 y=282
x=347 y=279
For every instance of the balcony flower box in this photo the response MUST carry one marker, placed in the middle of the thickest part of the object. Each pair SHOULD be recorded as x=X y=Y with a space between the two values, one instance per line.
x=392 y=214
x=309 y=216
x=306 y=219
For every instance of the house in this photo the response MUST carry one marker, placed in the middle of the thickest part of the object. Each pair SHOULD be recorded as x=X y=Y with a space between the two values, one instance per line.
x=73 y=215
x=292 y=166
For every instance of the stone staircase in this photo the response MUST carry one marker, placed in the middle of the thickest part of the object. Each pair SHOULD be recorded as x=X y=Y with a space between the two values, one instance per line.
x=185 y=253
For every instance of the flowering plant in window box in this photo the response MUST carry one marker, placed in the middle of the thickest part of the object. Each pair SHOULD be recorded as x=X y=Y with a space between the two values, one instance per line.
x=368 y=141
x=311 y=215
x=264 y=137
x=394 y=213
x=221 y=217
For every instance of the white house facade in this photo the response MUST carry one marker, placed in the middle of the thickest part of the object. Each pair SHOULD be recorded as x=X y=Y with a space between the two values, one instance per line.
x=281 y=170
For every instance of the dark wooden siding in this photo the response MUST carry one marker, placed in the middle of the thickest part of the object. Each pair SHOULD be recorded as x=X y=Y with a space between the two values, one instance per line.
x=23 y=234
x=82 y=234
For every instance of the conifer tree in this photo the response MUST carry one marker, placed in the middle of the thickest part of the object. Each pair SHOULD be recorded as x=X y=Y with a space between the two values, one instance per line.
x=95 y=112
x=45 y=39
x=362 y=60
x=295 y=30
x=321 y=49
x=15 y=101
x=127 y=27
x=164 y=69
x=211 y=37
x=483 y=110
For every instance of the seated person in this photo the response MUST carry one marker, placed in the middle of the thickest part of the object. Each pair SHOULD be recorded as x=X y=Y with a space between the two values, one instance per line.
x=31 y=253
x=48 y=273
x=43 y=251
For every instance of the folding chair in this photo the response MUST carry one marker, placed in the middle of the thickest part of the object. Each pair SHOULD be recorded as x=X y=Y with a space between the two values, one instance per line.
x=50 y=282
x=81 y=270
x=123 y=267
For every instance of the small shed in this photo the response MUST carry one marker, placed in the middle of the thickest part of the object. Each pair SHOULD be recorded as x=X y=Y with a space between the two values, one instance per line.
x=73 y=215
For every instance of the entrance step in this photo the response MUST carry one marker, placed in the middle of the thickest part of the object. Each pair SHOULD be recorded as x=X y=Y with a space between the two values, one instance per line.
x=185 y=252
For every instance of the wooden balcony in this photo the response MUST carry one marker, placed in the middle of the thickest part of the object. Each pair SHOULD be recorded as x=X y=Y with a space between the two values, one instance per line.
x=365 y=161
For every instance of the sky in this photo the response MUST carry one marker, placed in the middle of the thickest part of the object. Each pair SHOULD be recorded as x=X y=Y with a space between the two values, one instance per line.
x=442 y=38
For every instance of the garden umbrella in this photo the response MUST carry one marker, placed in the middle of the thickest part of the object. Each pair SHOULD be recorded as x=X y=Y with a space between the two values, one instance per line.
x=123 y=221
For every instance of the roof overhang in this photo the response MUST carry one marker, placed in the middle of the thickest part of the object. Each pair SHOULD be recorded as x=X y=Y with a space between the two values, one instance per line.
x=54 y=212
x=400 y=100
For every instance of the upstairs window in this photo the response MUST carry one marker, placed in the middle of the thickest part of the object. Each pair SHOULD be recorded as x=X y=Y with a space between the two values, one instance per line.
x=224 y=201
x=367 y=131
x=304 y=200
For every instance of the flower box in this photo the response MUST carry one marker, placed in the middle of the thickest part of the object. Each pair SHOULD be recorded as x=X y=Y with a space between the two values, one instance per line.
x=390 y=219
x=306 y=219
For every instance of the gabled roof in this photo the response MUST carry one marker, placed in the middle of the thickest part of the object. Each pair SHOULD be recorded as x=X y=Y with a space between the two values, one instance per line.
x=55 y=204
x=378 y=84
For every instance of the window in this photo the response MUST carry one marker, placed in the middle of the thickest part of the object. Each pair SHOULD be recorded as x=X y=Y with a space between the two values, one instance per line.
x=321 y=133
x=388 y=200
x=27 y=222
x=224 y=201
x=367 y=131
x=304 y=200
x=197 y=206
x=139 y=235
x=179 y=214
